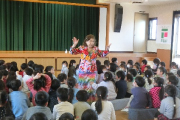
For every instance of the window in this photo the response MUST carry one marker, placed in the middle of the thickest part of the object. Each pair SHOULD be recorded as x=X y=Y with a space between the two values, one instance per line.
x=152 y=28
x=177 y=35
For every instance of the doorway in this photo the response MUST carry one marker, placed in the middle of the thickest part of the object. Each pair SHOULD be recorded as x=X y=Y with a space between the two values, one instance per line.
x=140 y=32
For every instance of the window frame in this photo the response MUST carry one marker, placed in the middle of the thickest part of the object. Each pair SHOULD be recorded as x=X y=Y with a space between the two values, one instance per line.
x=150 y=19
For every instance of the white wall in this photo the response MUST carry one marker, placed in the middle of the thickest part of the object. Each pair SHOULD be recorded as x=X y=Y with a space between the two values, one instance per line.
x=102 y=28
x=164 y=13
x=123 y=41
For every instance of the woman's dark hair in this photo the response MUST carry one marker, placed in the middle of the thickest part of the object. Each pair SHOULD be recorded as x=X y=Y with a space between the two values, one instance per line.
x=130 y=62
x=82 y=95
x=39 y=68
x=71 y=83
x=108 y=77
x=2 y=62
x=55 y=84
x=38 y=83
x=140 y=81
x=148 y=74
x=160 y=82
x=31 y=63
x=71 y=63
x=87 y=38
x=133 y=72
x=101 y=93
x=89 y=114
x=15 y=84
x=38 y=116
x=24 y=66
x=61 y=77
x=121 y=74
x=62 y=94
x=114 y=59
x=65 y=63
x=48 y=68
x=171 y=91
x=129 y=77
x=41 y=98
x=173 y=79
x=28 y=71
x=66 y=116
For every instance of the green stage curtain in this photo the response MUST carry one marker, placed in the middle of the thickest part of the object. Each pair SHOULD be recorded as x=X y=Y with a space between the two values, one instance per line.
x=44 y=27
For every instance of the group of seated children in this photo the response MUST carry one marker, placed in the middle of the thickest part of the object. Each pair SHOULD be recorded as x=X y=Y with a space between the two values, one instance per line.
x=55 y=98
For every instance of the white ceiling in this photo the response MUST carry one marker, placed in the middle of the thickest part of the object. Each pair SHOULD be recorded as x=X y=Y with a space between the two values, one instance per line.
x=144 y=2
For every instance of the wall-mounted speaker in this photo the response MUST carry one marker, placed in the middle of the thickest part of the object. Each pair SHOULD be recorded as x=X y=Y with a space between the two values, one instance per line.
x=118 y=17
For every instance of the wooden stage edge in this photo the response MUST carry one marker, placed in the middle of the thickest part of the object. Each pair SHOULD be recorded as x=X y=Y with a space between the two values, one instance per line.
x=61 y=54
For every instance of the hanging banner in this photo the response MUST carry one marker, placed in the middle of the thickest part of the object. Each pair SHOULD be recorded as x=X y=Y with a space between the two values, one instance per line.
x=164 y=34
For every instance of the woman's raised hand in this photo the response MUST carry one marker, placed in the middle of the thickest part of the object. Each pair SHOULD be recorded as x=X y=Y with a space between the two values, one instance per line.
x=107 y=47
x=75 y=41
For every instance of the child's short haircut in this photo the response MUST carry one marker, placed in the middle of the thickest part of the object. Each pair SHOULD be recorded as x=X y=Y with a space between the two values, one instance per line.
x=24 y=66
x=123 y=62
x=65 y=63
x=162 y=69
x=28 y=71
x=39 y=68
x=15 y=84
x=173 y=64
x=123 y=65
x=138 y=64
x=169 y=74
x=2 y=85
x=62 y=94
x=129 y=77
x=178 y=73
x=121 y=74
x=61 y=77
x=173 y=79
x=162 y=64
x=130 y=62
x=140 y=81
x=133 y=72
x=66 y=116
x=48 y=68
x=156 y=61
x=106 y=63
x=55 y=84
x=2 y=62
x=3 y=67
x=38 y=116
x=148 y=67
x=41 y=98
x=144 y=61
x=102 y=67
x=82 y=95
x=114 y=59
x=31 y=63
x=89 y=114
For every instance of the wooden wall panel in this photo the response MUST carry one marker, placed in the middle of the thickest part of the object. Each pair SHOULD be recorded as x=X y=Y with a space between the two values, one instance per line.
x=44 y=61
x=18 y=60
x=164 y=56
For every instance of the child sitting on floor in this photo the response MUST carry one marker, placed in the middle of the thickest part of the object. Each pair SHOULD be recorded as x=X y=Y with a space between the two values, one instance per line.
x=157 y=92
x=170 y=106
x=82 y=104
x=148 y=80
x=50 y=69
x=104 y=108
x=109 y=83
x=63 y=106
x=129 y=81
x=62 y=77
x=41 y=100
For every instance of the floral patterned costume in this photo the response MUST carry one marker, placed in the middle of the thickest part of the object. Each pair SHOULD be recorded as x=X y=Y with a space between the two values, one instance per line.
x=87 y=68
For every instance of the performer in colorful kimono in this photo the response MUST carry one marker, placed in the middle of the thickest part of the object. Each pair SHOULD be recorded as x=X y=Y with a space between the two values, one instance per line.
x=87 y=66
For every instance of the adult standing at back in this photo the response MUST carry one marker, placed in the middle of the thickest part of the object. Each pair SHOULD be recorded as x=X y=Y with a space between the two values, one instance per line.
x=87 y=66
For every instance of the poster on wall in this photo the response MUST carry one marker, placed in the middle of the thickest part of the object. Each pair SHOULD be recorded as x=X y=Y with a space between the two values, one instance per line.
x=164 y=34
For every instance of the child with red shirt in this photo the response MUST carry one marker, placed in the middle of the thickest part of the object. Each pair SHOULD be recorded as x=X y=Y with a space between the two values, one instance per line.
x=144 y=63
x=157 y=92
x=40 y=82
